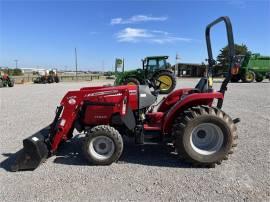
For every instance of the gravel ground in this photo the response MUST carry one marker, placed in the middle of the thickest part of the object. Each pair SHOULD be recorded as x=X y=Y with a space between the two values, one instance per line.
x=147 y=173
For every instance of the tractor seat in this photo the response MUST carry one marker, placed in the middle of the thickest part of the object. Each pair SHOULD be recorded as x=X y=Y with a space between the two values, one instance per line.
x=146 y=98
x=202 y=86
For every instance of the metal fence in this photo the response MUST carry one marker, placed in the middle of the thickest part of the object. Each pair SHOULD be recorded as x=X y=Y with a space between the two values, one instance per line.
x=64 y=78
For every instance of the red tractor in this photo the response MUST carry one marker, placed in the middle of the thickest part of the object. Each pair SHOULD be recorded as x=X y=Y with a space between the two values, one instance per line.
x=201 y=133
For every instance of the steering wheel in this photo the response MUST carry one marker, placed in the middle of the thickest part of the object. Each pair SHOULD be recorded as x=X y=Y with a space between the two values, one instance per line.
x=152 y=84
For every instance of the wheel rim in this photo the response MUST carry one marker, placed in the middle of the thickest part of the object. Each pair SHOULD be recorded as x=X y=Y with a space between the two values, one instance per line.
x=102 y=147
x=166 y=82
x=249 y=76
x=206 y=139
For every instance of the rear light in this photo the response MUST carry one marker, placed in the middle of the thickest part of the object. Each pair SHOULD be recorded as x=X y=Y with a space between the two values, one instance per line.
x=235 y=69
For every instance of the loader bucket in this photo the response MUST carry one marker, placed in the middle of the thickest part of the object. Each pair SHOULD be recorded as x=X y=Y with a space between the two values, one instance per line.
x=34 y=152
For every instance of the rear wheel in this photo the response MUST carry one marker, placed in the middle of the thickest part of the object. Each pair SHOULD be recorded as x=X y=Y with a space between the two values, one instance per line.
x=204 y=136
x=259 y=78
x=103 y=145
x=132 y=81
x=166 y=80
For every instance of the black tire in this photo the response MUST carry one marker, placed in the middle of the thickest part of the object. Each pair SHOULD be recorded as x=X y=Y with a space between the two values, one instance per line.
x=131 y=81
x=56 y=79
x=11 y=83
x=249 y=77
x=110 y=134
x=190 y=121
x=43 y=80
x=259 y=78
x=235 y=78
x=165 y=88
x=50 y=79
x=37 y=80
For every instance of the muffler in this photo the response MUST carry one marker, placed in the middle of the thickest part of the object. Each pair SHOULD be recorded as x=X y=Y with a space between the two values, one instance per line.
x=35 y=151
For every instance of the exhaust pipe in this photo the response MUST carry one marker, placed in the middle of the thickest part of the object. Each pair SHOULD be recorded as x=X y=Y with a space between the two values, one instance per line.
x=35 y=151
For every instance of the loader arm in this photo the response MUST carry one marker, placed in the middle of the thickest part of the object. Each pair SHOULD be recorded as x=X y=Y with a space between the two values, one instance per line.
x=65 y=119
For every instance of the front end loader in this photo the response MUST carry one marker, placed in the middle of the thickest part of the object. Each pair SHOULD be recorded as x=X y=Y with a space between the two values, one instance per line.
x=201 y=133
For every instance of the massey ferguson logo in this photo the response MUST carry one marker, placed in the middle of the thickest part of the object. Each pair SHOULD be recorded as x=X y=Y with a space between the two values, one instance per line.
x=102 y=93
x=100 y=117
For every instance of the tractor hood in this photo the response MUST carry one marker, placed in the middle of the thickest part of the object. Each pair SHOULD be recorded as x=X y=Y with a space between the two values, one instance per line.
x=122 y=76
x=133 y=71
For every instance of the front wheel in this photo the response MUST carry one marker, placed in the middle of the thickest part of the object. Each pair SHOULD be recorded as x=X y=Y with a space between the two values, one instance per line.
x=10 y=83
x=103 y=145
x=204 y=136
x=56 y=79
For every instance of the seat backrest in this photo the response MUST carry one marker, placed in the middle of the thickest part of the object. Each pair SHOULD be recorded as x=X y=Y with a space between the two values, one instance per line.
x=202 y=85
x=146 y=98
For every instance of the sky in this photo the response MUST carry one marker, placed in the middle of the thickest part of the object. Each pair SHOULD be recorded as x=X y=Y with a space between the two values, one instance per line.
x=44 y=33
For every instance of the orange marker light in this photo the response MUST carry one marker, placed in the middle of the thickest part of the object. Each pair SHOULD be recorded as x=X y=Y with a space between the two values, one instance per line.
x=235 y=69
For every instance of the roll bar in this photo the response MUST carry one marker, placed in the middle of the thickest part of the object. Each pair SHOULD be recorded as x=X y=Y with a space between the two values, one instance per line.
x=232 y=57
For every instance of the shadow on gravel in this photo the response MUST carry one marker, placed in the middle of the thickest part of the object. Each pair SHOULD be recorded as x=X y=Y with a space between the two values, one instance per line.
x=6 y=164
x=240 y=82
x=71 y=153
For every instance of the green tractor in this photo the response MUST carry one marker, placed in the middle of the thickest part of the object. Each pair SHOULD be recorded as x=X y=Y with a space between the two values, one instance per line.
x=254 y=67
x=155 y=69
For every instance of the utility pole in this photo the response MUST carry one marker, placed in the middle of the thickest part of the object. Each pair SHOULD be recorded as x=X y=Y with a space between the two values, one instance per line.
x=177 y=58
x=102 y=63
x=76 y=63
x=16 y=62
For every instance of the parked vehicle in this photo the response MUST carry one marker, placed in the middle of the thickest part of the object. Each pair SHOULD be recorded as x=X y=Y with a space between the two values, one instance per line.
x=47 y=76
x=6 y=80
x=254 y=67
x=155 y=69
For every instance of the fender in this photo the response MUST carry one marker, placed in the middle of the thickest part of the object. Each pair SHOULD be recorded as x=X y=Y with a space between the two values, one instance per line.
x=132 y=76
x=162 y=70
x=194 y=99
x=172 y=98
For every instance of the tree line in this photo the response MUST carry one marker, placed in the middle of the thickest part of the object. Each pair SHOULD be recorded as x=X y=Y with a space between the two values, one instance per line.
x=12 y=72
